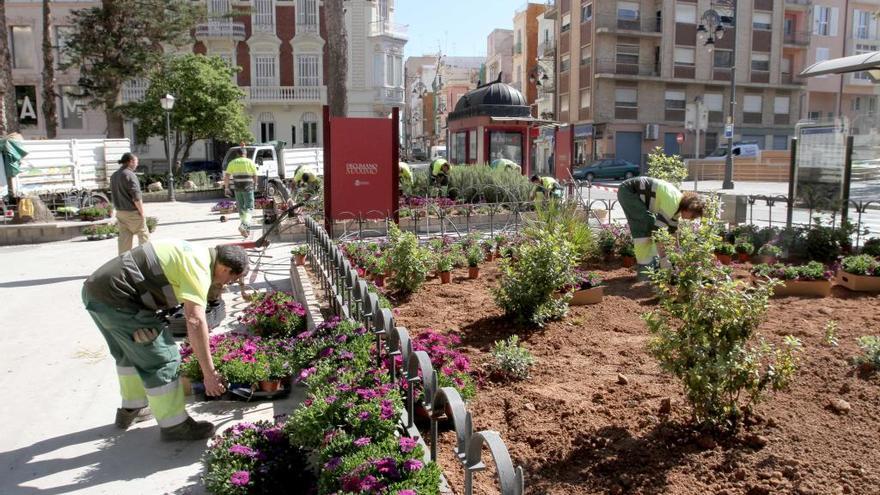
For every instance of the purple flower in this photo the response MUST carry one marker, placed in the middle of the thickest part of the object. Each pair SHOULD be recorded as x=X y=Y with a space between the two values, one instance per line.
x=346 y=355
x=343 y=387
x=242 y=450
x=361 y=331
x=413 y=465
x=330 y=399
x=333 y=463
x=370 y=484
x=240 y=478
x=326 y=352
x=364 y=415
x=406 y=492
x=341 y=339
x=387 y=467
x=407 y=444
x=274 y=435
x=362 y=442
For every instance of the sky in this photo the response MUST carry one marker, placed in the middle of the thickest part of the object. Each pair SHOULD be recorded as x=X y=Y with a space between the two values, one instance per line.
x=458 y=27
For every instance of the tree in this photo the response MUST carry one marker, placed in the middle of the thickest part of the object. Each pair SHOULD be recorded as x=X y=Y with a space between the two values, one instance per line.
x=207 y=104
x=50 y=96
x=337 y=52
x=123 y=40
x=8 y=114
x=666 y=167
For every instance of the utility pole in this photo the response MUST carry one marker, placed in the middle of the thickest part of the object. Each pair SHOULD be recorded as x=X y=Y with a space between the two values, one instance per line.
x=728 y=163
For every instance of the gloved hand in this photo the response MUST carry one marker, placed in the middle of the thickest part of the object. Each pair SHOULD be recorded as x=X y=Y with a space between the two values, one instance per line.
x=145 y=335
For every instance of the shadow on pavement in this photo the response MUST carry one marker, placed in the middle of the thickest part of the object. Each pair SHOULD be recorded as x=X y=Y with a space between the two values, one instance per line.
x=40 y=281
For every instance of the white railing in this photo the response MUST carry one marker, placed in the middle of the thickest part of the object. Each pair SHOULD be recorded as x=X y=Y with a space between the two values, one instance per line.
x=264 y=27
x=390 y=94
x=306 y=28
x=220 y=30
x=385 y=28
x=133 y=94
x=291 y=94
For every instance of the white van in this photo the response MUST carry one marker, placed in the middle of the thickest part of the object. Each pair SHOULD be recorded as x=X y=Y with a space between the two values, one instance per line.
x=438 y=152
x=740 y=150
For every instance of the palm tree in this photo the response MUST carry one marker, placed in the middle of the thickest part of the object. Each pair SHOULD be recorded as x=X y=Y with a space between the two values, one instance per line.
x=337 y=53
x=50 y=96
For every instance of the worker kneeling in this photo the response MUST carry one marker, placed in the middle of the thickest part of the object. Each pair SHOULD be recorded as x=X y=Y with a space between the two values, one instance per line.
x=546 y=186
x=649 y=204
x=123 y=298
x=307 y=182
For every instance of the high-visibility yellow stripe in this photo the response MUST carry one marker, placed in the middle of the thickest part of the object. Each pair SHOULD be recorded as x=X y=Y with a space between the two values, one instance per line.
x=167 y=403
x=131 y=388
x=645 y=250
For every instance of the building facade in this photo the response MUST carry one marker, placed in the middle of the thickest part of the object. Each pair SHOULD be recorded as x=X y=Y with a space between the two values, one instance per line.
x=525 y=49
x=626 y=70
x=499 y=55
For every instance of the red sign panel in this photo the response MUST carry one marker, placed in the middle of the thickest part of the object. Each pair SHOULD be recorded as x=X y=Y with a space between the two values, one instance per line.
x=360 y=168
x=562 y=158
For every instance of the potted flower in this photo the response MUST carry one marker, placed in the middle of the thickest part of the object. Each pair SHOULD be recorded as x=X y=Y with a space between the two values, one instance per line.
x=724 y=252
x=769 y=254
x=607 y=243
x=860 y=273
x=500 y=241
x=489 y=249
x=811 y=279
x=274 y=368
x=627 y=254
x=744 y=251
x=224 y=206
x=378 y=267
x=299 y=254
x=588 y=289
x=91 y=232
x=474 y=257
x=445 y=262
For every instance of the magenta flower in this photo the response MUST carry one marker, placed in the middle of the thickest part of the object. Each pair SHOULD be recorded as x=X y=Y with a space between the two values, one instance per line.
x=333 y=463
x=364 y=415
x=407 y=492
x=240 y=478
x=413 y=465
x=242 y=450
x=407 y=444
x=362 y=442
x=330 y=399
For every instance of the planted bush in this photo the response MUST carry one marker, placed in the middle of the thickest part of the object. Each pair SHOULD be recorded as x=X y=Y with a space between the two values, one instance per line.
x=870 y=346
x=152 y=223
x=529 y=283
x=92 y=213
x=744 y=248
x=408 y=261
x=453 y=368
x=670 y=168
x=725 y=249
x=475 y=256
x=564 y=216
x=704 y=330
x=812 y=271
x=872 y=247
x=825 y=243
x=863 y=264
x=511 y=359
x=241 y=358
x=274 y=314
x=770 y=250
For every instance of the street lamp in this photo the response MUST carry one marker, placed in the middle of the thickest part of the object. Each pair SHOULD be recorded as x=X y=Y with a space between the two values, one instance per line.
x=708 y=32
x=167 y=102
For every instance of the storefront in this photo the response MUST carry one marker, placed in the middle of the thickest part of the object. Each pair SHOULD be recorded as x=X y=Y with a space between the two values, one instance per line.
x=583 y=144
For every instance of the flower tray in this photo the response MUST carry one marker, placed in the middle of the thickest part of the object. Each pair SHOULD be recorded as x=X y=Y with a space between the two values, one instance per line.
x=858 y=283
x=242 y=393
x=804 y=288
x=587 y=296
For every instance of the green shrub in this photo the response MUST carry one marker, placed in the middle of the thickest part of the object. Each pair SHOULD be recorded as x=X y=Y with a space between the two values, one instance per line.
x=812 y=271
x=94 y=213
x=300 y=250
x=564 y=216
x=666 y=167
x=511 y=359
x=830 y=338
x=825 y=243
x=529 y=282
x=725 y=248
x=745 y=248
x=870 y=346
x=770 y=250
x=475 y=255
x=408 y=261
x=476 y=183
x=861 y=265
x=872 y=246
x=200 y=179
x=702 y=329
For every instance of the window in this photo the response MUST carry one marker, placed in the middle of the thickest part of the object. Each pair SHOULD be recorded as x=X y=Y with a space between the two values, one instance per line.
x=62 y=36
x=626 y=97
x=780 y=142
x=266 y=70
x=762 y=20
x=267 y=131
x=383 y=10
x=378 y=69
x=825 y=20
x=752 y=108
x=760 y=61
x=714 y=102
x=459 y=145
x=564 y=63
x=723 y=59
x=472 y=146
x=307 y=13
x=310 y=128
x=71 y=107
x=684 y=56
x=307 y=70
x=563 y=103
x=586 y=12
x=398 y=71
x=389 y=70
x=22 y=48
x=785 y=65
x=585 y=98
x=264 y=16
x=686 y=13
x=814 y=115
x=505 y=145
x=861 y=49
x=627 y=54
x=586 y=55
x=628 y=11
x=293 y=134
x=862 y=23
x=675 y=100
x=781 y=105
x=566 y=23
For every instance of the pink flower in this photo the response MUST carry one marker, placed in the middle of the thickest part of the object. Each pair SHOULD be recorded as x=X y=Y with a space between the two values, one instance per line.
x=407 y=444
x=242 y=450
x=413 y=465
x=362 y=442
x=406 y=492
x=240 y=478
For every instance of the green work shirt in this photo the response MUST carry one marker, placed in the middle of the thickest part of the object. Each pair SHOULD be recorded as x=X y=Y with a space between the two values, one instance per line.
x=405 y=173
x=304 y=176
x=667 y=199
x=187 y=268
x=437 y=166
x=242 y=171
x=549 y=184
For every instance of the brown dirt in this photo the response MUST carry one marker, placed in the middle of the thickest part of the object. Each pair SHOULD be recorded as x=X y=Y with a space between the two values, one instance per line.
x=575 y=430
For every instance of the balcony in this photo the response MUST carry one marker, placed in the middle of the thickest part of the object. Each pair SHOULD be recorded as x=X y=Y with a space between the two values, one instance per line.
x=220 y=30
x=804 y=4
x=797 y=38
x=547 y=49
x=788 y=78
x=389 y=29
x=286 y=94
x=264 y=27
x=306 y=28
x=611 y=66
x=639 y=25
x=390 y=95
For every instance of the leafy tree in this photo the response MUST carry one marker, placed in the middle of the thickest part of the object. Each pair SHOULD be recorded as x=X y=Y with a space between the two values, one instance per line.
x=123 y=40
x=50 y=107
x=207 y=105
x=666 y=167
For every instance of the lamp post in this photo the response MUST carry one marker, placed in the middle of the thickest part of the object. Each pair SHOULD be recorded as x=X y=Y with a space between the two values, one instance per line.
x=167 y=105
x=713 y=29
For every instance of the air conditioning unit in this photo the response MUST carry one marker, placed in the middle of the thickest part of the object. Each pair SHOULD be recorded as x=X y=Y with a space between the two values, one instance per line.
x=652 y=132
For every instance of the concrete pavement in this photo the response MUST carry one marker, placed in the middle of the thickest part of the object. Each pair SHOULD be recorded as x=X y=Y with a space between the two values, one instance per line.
x=61 y=393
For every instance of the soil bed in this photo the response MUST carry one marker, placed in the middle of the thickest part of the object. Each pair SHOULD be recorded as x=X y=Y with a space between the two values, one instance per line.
x=576 y=430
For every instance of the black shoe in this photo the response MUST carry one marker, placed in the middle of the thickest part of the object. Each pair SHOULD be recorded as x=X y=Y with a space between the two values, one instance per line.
x=127 y=417
x=188 y=430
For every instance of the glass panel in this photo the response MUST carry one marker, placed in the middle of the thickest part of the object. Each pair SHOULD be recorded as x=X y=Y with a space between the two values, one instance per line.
x=505 y=145
x=22 y=47
x=686 y=13
x=72 y=114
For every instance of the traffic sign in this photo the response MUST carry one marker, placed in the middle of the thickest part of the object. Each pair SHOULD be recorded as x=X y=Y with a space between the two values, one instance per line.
x=680 y=138
x=728 y=131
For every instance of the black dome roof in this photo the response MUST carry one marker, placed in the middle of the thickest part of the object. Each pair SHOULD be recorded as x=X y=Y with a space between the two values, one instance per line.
x=495 y=99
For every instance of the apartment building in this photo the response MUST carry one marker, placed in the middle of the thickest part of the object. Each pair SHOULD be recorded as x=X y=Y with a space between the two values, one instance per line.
x=626 y=70
x=834 y=35
x=525 y=49
x=499 y=55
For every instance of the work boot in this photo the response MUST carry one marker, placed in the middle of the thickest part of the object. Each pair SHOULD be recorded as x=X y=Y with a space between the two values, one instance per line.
x=127 y=417
x=244 y=231
x=188 y=430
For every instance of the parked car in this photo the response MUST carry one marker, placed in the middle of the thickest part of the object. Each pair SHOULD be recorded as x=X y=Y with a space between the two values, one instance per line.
x=419 y=155
x=609 y=168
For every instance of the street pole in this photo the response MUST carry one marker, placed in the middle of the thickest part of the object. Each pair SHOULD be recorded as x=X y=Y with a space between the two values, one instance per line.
x=728 y=163
x=168 y=154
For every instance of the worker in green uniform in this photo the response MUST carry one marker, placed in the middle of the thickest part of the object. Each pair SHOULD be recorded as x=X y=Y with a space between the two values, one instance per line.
x=243 y=172
x=307 y=181
x=123 y=297
x=440 y=172
x=649 y=204
x=406 y=175
x=548 y=186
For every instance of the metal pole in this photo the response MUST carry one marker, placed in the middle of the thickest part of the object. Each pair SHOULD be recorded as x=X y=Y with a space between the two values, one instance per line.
x=728 y=162
x=168 y=154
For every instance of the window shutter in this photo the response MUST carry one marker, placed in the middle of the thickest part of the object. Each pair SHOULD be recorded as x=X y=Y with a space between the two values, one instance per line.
x=832 y=30
x=816 y=19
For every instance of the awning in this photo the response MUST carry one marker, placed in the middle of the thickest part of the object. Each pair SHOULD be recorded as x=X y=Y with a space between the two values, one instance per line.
x=868 y=62
x=527 y=120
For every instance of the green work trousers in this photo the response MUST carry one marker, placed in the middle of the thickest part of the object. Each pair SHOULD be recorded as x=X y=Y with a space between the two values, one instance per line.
x=244 y=200
x=642 y=224
x=148 y=373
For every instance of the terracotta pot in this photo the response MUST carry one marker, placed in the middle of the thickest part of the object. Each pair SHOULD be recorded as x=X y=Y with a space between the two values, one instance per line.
x=445 y=277
x=270 y=385
x=725 y=259
x=743 y=257
x=300 y=259
x=804 y=288
x=379 y=280
x=587 y=296
x=858 y=283
x=629 y=261
x=473 y=272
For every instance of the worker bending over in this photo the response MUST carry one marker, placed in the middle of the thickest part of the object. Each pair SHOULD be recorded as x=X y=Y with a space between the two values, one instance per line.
x=405 y=175
x=649 y=204
x=123 y=297
x=306 y=181
x=548 y=186
x=243 y=172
